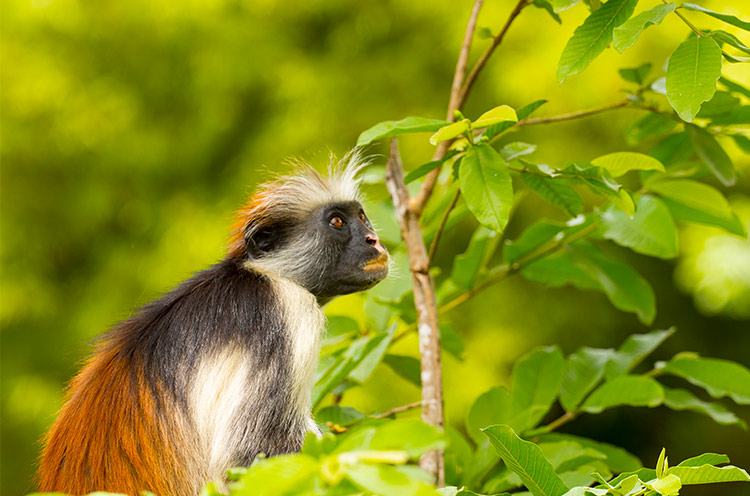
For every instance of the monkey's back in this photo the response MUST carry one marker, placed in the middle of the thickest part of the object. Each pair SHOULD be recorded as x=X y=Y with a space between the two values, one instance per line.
x=197 y=381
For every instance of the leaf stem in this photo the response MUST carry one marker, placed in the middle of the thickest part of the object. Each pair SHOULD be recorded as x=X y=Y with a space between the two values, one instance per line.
x=697 y=31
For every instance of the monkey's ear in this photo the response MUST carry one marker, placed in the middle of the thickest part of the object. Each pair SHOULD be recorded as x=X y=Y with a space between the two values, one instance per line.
x=262 y=241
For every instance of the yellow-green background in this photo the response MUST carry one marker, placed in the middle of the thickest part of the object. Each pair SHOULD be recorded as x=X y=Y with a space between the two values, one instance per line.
x=131 y=130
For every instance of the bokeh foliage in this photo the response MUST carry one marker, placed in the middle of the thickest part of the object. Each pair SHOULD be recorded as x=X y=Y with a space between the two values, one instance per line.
x=131 y=130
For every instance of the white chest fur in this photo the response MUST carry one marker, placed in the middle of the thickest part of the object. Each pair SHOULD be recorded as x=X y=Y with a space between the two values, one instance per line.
x=222 y=380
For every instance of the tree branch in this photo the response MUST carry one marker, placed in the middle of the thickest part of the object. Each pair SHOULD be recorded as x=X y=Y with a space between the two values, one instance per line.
x=398 y=409
x=572 y=115
x=425 y=303
x=441 y=227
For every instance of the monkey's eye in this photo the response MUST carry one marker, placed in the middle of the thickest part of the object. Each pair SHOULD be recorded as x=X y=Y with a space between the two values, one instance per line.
x=364 y=219
x=336 y=221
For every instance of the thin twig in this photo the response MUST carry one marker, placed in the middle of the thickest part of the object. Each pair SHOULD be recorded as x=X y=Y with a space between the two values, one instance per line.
x=441 y=227
x=463 y=60
x=456 y=103
x=398 y=409
x=472 y=77
x=697 y=31
x=572 y=115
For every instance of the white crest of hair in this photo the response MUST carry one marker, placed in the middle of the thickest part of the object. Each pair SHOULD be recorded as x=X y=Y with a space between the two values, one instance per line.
x=294 y=197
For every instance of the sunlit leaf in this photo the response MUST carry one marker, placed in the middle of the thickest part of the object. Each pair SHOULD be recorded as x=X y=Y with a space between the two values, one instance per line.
x=692 y=72
x=560 y=5
x=718 y=377
x=593 y=36
x=391 y=128
x=486 y=186
x=490 y=408
x=631 y=390
x=707 y=474
x=618 y=459
x=521 y=113
x=650 y=231
x=626 y=34
x=495 y=116
x=526 y=460
x=704 y=459
x=338 y=415
x=450 y=131
x=619 y=163
x=516 y=149
x=466 y=266
x=729 y=19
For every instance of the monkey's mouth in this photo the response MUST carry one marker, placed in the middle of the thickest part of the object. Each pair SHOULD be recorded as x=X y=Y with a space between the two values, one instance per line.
x=377 y=264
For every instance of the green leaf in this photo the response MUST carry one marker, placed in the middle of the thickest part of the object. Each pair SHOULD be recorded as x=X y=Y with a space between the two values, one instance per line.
x=367 y=364
x=740 y=115
x=532 y=238
x=466 y=266
x=632 y=390
x=682 y=399
x=734 y=86
x=601 y=182
x=729 y=39
x=495 y=116
x=559 y=270
x=546 y=5
x=489 y=408
x=721 y=103
x=486 y=186
x=692 y=72
x=450 y=131
x=280 y=475
x=383 y=479
x=729 y=19
x=673 y=149
x=556 y=191
x=526 y=460
x=697 y=202
x=521 y=113
x=718 y=377
x=451 y=340
x=705 y=458
x=338 y=415
x=593 y=36
x=666 y=486
x=624 y=287
x=391 y=128
x=633 y=350
x=516 y=149
x=743 y=142
x=407 y=367
x=618 y=459
x=410 y=435
x=635 y=75
x=583 y=370
x=649 y=126
x=535 y=382
x=707 y=474
x=619 y=163
x=424 y=169
x=626 y=34
x=712 y=154
x=650 y=231
x=560 y=5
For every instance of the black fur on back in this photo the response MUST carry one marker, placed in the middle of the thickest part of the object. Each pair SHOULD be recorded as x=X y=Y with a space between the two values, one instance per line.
x=223 y=306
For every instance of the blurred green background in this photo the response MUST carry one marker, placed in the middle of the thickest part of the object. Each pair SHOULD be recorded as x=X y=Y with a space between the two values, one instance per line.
x=132 y=130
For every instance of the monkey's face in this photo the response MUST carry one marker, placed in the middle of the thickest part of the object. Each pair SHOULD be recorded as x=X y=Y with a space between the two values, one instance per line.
x=349 y=255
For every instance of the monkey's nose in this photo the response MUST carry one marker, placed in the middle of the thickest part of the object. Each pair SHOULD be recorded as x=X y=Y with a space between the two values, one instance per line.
x=371 y=239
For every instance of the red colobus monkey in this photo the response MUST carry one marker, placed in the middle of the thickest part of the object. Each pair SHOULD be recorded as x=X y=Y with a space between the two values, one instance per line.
x=220 y=368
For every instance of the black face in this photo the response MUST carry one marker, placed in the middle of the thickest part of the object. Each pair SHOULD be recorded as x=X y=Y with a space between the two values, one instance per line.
x=350 y=255
x=334 y=251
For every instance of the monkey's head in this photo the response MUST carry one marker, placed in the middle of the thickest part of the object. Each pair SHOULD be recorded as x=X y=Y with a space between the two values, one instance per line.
x=313 y=230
